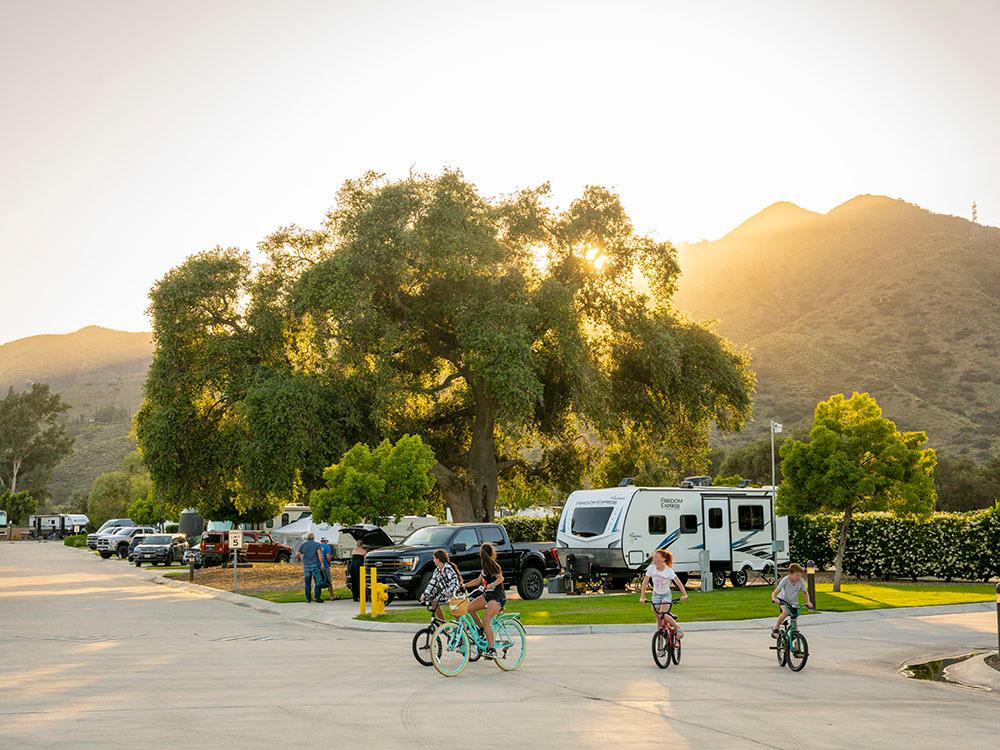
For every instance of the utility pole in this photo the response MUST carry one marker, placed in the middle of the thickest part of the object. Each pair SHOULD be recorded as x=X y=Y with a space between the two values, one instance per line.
x=775 y=427
x=975 y=213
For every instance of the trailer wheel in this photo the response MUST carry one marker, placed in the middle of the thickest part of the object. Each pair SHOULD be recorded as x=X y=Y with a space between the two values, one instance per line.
x=683 y=578
x=739 y=578
x=719 y=579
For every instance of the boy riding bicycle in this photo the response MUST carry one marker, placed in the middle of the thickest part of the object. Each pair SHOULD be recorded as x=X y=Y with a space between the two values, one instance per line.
x=660 y=575
x=786 y=594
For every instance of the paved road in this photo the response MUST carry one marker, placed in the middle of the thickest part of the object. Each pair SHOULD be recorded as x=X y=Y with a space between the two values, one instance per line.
x=90 y=651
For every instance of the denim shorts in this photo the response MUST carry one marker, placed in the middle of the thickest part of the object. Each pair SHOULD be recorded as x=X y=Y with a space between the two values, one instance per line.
x=659 y=599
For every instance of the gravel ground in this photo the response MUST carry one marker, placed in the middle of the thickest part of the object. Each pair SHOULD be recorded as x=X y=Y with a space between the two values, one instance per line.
x=262 y=577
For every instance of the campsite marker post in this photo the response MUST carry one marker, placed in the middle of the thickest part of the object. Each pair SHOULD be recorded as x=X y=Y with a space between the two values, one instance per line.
x=235 y=543
x=998 y=618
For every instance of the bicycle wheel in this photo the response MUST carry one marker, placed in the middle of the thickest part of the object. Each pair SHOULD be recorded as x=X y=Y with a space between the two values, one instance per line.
x=782 y=646
x=422 y=646
x=798 y=654
x=661 y=650
x=511 y=645
x=676 y=651
x=450 y=649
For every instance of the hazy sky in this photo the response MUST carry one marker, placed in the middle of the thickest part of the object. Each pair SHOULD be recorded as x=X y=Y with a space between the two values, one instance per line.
x=135 y=133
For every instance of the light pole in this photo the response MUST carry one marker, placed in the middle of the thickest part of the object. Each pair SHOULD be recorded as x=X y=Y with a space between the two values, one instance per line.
x=775 y=427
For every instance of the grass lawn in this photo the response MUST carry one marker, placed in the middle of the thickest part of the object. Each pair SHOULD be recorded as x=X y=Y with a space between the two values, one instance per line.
x=725 y=604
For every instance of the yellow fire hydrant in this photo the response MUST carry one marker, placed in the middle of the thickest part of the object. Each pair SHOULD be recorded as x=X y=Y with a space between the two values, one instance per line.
x=380 y=596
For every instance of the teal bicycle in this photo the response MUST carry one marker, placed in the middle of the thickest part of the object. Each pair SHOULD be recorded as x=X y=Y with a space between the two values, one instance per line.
x=455 y=643
x=792 y=646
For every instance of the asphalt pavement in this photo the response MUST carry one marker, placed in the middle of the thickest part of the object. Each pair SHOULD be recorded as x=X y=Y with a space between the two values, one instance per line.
x=93 y=654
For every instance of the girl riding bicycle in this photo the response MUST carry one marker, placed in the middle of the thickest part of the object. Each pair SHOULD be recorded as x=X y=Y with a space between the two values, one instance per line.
x=444 y=584
x=493 y=597
x=661 y=575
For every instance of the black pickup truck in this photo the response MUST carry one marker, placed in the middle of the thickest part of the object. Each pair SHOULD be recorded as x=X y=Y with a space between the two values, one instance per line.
x=407 y=567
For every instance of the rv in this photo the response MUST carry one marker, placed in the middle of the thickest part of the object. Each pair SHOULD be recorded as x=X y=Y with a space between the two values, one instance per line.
x=612 y=532
x=56 y=525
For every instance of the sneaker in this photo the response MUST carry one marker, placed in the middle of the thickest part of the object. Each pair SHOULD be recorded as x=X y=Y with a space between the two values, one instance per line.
x=319 y=601
x=491 y=653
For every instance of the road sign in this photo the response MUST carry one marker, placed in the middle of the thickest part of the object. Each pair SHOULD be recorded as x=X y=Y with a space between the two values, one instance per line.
x=236 y=539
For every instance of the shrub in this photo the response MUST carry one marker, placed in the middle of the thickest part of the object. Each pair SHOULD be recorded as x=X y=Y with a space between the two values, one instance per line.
x=528 y=529
x=170 y=528
x=944 y=545
x=76 y=540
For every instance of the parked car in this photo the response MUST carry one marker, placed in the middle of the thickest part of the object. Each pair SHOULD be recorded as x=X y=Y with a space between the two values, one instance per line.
x=136 y=541
x=406 y=567
x=260 y=547
x=161 y=549
x=117 y=543
x=107 y=527
x=193 y=553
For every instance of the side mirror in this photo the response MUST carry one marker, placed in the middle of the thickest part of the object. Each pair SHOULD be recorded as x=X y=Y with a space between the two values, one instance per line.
x=460 y=547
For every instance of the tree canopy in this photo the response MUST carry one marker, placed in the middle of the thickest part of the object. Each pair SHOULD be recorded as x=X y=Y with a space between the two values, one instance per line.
x=19 y=505
x=32 y=441
x=390 y=481
x=856 y=460
x=487 y=326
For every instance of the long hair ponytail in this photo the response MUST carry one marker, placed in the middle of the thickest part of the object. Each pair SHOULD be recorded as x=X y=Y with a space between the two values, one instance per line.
x=443 y=556
x=488 y=559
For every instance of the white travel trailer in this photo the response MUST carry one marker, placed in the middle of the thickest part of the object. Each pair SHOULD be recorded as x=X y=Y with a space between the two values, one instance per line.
x=614 y=531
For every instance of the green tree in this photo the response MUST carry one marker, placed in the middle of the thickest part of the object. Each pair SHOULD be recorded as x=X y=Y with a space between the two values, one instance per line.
x=962 y=484
x=518 y=491
x=489 y=325
x=32 y=441
x=148 y=511
x=19 y=505
x=751 y=461
x=113 y=494
x=375 y=485
x=855 y=460
x=234 y=413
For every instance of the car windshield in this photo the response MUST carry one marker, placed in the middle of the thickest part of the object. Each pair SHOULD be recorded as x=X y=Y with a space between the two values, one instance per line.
x=432 y=536
x=157 y=540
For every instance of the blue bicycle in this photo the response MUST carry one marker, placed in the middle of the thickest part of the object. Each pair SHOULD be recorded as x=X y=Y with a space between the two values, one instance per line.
x=455 y=643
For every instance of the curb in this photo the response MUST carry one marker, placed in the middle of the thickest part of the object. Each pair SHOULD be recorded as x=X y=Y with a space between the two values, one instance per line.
x=345 y=622
x=975 y=673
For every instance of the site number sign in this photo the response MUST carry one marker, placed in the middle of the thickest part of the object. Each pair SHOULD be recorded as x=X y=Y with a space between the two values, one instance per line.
x=236 y=539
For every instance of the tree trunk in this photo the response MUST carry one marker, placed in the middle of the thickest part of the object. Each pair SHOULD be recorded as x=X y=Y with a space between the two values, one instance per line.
x=15 y=469
x=473 y=497
x=838 y=569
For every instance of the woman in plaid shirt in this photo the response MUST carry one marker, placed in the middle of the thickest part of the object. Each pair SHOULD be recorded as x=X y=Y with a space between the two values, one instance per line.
x=444 y=583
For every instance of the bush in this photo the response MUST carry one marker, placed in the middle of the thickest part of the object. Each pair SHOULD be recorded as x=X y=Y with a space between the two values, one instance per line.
x=879 y=545
x=528 y=529
x=170 y=528
x=76 y=540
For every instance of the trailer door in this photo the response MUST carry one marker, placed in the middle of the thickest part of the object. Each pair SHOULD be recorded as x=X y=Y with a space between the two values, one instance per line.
x=716 y=526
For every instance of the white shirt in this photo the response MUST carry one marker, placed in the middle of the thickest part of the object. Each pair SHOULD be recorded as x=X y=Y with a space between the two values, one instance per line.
x=661 y=579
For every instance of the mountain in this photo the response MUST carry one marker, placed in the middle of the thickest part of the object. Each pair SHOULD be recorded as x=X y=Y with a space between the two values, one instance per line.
x=877 y=295
x=99 y=373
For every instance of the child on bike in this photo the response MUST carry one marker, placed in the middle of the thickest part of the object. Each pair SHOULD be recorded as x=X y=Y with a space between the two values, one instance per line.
x=493 y=597
x=788 y=590
x=660 y=575
x=444 y=584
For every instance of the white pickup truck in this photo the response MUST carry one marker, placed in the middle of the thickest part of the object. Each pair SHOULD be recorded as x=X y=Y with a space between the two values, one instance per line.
x=117 y=542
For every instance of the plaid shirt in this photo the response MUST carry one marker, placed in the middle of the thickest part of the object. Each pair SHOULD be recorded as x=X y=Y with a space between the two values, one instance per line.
x=444 y=584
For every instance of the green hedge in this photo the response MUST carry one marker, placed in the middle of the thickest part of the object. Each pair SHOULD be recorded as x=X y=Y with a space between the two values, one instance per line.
x=75 y=540
x=527 y=529
x=879 y=545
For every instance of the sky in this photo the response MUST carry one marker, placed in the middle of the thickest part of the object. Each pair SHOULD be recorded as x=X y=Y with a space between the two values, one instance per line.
x=135 y=133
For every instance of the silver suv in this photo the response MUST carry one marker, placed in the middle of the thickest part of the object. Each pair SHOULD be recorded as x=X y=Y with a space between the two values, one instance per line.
x=117 y=542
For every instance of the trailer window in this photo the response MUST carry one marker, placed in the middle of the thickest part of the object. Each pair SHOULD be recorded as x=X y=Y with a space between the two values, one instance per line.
x=751 y=517
x=590 y=521
x=657 y=524
x=715 y=518
x=689 y=523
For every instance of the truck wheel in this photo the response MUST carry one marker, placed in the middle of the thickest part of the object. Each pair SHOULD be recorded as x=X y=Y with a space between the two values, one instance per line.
x=719 y=579
x=531 y=584
x=138 y=564
x=282 y=557
x=740 y=577
x=105 y=554
x=122 y=552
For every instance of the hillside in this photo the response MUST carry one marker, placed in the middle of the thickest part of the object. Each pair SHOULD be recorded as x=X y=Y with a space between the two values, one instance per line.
x=877 y=295
x=99 y=373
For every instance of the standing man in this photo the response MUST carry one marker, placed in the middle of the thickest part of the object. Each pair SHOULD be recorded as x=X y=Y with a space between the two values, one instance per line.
x=327 y=561
x=311 y=555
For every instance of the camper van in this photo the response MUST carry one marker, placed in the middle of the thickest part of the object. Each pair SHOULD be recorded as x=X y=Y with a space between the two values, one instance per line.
x=613 y=532
x=56 y=525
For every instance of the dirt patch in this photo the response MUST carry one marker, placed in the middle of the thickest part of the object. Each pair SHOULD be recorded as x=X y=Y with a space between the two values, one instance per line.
x=262 y=577
x=993 y=661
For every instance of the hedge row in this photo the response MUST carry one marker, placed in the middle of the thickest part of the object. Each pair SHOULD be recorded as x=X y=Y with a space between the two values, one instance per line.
x=879 y=545
x=528 y=529
x=75 y=540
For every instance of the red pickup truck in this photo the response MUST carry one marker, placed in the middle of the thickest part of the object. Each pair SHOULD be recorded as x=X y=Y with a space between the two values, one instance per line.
x=260 y=548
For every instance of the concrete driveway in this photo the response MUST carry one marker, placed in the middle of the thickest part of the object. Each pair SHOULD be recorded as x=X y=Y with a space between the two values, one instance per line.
x=93 y=655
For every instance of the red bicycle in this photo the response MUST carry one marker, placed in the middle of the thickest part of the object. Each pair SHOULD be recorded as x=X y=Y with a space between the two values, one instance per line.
x=666 y=644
